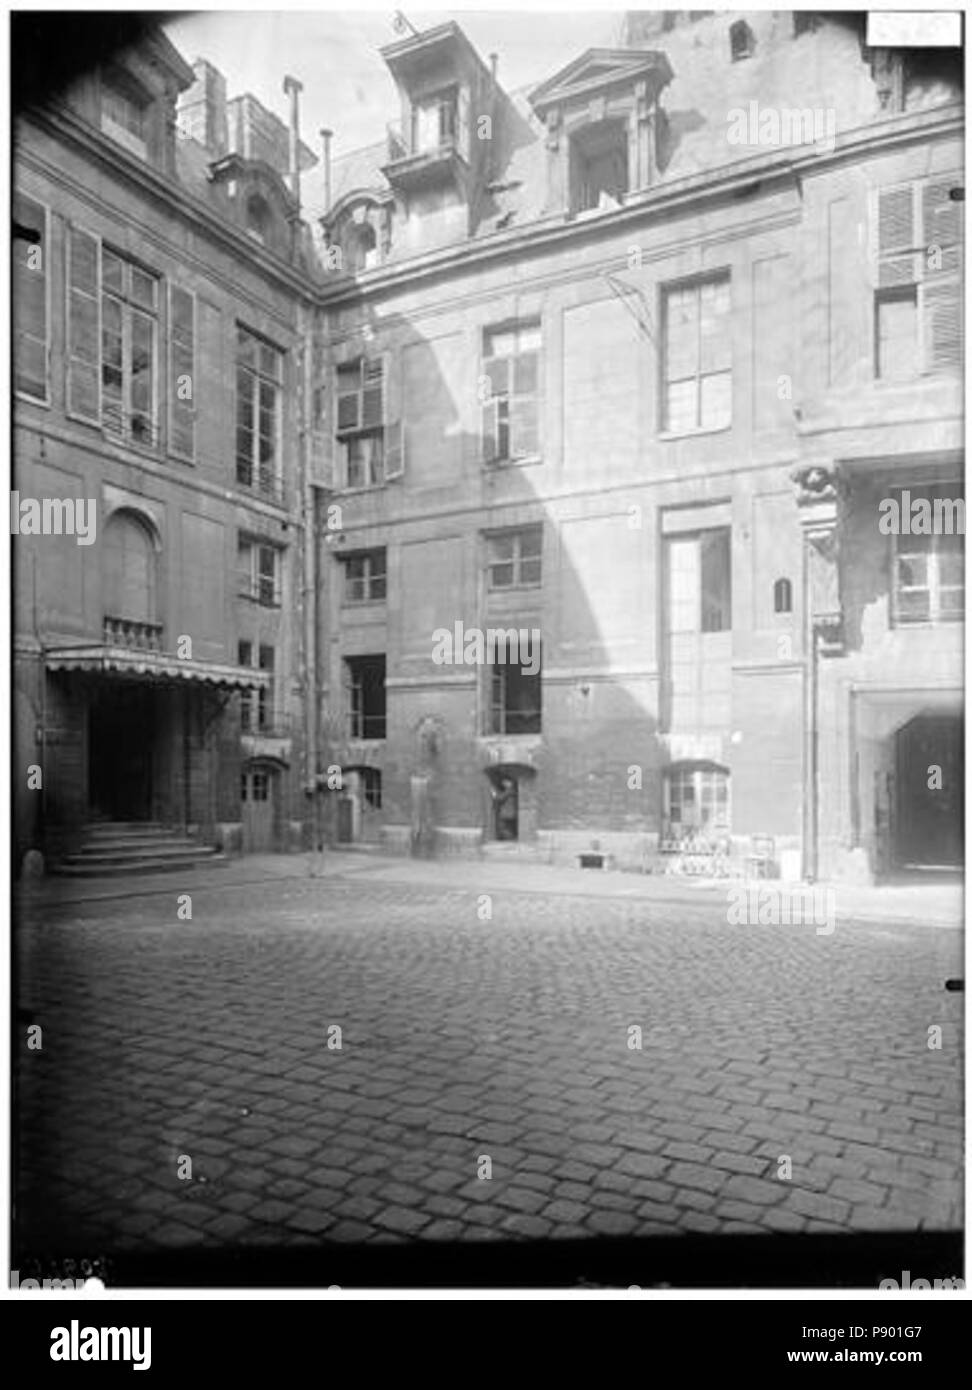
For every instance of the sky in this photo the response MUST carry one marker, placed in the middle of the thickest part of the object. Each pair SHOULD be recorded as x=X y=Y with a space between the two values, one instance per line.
x=334 y=53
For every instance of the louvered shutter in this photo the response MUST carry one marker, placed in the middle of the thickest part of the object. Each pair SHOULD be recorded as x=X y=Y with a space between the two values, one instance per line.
x=394 y=415
x=941 y=297
x=490 y=430
x=84 y=325
x=373 y=394
x=182 y=361
x=349 y=398
x=897 y=236
x=30 y=289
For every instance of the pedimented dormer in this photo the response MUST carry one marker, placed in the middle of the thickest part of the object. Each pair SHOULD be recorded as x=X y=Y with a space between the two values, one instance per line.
x=602 y=114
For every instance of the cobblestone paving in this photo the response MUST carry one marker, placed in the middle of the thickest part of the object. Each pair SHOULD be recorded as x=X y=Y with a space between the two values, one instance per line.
x=464 y=1038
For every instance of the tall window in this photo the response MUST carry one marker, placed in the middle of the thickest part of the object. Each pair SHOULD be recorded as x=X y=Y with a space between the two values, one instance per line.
x=434 y=121
x=598 y=164
x=361 y=420
x=259 y=572
x=697 y=356
x=124 y=116
x=259 y=368
x=365 y=684
x=256 y=706
x=515 y=699
x=129 y=330
x=365 y=576
x=918 y=300
x=30 y=290
x=514 y=558
x=698 y=650
x=511 y=380
x=929 y=570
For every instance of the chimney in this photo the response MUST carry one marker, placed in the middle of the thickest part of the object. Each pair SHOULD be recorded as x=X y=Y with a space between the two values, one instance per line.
x=326 y=139
x=493 y=65
x=293 y=88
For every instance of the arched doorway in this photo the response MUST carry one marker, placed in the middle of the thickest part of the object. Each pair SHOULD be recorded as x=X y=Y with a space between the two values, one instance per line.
x=929 y=823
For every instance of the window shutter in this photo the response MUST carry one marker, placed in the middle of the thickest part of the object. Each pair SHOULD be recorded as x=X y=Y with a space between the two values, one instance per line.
x=182 y=339
x=30 y=290
x=897 y=236
x=942 y=324
x=941 y=218
x=348 y=389
x=84 y=325
x=395 y=450
x=941 y=296
x=373 y=394
x=462 y=121
x=490 y=431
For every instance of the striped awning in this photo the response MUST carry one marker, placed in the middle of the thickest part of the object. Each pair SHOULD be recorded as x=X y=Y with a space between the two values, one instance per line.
x=162 y=668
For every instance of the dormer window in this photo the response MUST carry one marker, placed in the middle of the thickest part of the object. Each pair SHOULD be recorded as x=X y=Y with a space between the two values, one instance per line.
x=599 y=165
x=258 y=218
x=434 y=121
x=124 y=116
x=742 y=40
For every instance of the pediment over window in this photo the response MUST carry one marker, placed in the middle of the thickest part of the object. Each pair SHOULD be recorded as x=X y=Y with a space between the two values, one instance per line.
x=598 y=70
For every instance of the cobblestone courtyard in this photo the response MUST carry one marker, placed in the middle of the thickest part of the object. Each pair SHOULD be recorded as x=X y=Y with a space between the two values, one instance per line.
x=463 y=1038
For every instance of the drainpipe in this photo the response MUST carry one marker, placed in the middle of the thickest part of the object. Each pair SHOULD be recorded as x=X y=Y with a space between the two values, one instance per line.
x=293 y=88
x=309 y=582
x=326 y=137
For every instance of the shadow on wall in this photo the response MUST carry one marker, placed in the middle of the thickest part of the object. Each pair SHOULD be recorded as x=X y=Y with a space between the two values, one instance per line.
x=463 y=752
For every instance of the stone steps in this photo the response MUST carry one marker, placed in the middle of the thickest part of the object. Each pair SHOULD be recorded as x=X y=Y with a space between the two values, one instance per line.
x=135 y=847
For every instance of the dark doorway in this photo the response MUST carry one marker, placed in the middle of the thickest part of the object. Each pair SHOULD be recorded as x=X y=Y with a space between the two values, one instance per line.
x=506 y=808
x=929 y=828
x=121 y=731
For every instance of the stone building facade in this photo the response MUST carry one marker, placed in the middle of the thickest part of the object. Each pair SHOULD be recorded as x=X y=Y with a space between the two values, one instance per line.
x=160 y=315
x=626 y=364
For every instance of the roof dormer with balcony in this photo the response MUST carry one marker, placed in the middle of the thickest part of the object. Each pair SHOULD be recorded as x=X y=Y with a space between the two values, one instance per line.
x=438 y=154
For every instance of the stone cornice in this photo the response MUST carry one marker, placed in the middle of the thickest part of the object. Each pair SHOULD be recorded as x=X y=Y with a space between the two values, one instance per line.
x=694 y=192
x=66 y=126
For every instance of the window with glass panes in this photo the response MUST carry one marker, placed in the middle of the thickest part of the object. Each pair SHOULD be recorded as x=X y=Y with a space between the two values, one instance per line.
x=259 y=572
x=129 y=332
x=511 y=410
x=918 y=298
x=929 y=571
x=30 y=296
x=514 y=558
x=361 y=420
x=515 y=700
x=364 y=577
x=697 y=799
x=697 y=382
x=259 y=368
x=124 y=117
